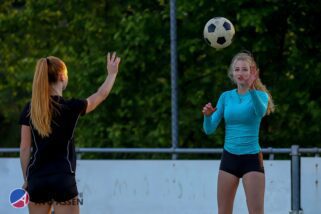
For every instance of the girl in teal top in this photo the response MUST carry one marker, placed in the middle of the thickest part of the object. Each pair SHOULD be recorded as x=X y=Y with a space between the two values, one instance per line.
x=242 y=114
x=242 y=109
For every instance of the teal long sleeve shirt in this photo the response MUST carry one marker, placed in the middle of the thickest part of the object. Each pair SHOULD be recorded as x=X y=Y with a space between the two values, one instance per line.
x=242 y=114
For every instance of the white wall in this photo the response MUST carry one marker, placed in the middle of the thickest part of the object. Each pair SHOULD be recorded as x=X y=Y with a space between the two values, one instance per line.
x=311 y=185
x=168 y=187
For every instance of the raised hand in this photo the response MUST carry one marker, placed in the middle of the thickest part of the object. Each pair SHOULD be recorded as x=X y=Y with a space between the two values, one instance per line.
x=112 y=63
x=253 y=76
x=102 y=93
x=208 y=109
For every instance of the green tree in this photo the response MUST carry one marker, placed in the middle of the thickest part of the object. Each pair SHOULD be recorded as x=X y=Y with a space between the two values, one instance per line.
x=281 y=34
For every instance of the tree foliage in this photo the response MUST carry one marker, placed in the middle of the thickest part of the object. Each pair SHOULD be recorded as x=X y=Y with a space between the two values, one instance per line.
x=282 y=35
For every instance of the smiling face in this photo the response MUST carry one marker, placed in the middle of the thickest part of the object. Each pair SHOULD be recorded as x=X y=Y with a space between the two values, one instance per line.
x=241 y=69
x=241 y=72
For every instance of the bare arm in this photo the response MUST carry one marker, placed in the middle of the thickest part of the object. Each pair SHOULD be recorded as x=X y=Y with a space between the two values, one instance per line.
x=25 y=150
x=112 y=67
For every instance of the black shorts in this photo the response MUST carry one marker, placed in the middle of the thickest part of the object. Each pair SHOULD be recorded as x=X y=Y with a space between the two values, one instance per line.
x=239 y=165
x=56 y=187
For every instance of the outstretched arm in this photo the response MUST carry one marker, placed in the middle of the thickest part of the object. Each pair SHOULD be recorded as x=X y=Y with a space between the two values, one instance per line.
x=112 y=67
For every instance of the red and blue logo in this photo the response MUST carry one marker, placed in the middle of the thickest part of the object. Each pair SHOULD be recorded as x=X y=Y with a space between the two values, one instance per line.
x=19 y=198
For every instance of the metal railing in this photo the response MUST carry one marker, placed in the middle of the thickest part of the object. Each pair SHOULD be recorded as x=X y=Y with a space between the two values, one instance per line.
x=294 y=152
x=271 y=151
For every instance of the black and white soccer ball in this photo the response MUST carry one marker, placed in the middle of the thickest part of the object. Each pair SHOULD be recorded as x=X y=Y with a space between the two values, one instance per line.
x=219 y=32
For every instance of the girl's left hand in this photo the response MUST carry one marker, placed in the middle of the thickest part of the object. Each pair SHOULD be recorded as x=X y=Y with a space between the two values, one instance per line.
x=252 y=78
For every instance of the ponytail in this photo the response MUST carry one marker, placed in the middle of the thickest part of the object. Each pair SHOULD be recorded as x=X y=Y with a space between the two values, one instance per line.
x=40 y=112
x=42 y=105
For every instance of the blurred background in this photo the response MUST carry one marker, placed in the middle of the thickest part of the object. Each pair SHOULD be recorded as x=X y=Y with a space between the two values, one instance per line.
x=282 y=35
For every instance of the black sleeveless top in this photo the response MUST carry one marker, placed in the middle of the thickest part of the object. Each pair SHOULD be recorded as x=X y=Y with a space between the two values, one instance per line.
x=55 y=153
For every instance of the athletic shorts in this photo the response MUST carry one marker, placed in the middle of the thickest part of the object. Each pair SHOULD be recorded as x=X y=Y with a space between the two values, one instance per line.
x=239 y=165
x=56 y=187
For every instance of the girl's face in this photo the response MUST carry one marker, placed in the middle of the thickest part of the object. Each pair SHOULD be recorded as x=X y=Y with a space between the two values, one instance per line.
x=241 y=72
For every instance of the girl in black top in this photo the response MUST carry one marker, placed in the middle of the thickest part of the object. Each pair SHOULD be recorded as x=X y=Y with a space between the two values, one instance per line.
x=47 y=126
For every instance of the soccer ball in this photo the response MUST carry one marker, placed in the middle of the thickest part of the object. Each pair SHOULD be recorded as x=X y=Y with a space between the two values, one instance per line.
x=219 y=32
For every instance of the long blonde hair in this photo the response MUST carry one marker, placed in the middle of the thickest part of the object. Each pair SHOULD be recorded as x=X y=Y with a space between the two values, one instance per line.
x=246 y=56
x=42 y=106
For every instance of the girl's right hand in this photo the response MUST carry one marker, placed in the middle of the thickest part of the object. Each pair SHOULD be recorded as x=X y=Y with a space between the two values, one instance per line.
x=25 y=185
x=208 y=109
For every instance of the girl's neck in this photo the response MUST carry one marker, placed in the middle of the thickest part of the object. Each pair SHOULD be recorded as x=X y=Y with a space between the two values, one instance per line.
x=56 y=89
x=242 y=89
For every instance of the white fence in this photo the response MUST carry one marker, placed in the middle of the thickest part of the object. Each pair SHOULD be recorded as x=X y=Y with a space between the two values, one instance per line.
x=170 y=186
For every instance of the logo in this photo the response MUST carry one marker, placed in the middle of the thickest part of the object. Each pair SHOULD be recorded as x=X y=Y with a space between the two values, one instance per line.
x=19 y=198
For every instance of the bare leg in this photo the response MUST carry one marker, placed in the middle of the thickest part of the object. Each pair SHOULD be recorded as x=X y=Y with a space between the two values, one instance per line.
x=39 y=208
x=254 y=187
x=226 y=189
x=67 y=207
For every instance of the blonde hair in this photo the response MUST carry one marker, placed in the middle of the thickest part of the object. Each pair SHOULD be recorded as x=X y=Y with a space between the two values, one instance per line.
x=42 y=106
x=247 y=57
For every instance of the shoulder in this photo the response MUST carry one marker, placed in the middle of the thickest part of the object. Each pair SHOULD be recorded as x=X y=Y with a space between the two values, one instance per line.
x=26 y=109
x=27 y=106
x=74 y=101
x=78 y=105
x=228 y=93
x=25 y=115
x=261 y=94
